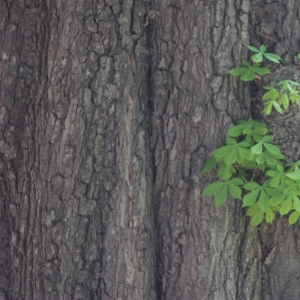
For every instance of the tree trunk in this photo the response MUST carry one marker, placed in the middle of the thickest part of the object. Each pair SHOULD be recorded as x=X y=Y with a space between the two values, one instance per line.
x=108 y=111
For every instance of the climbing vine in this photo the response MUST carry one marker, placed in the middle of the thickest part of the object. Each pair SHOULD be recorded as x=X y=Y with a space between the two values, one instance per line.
x=250 y=168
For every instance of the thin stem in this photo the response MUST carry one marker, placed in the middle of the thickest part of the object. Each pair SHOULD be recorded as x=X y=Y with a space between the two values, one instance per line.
x=254 y=173
x=274 y=41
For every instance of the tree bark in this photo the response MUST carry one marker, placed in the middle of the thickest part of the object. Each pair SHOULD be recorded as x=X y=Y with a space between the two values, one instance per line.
x=108 y=111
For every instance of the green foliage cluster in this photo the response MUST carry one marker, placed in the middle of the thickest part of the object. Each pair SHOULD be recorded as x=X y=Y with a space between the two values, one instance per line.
x=247 y=159
x=278 y=97
x=250 y=168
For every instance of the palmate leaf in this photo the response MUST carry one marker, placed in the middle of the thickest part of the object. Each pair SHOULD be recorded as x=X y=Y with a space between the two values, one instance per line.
x=213 y=188
x=221 y=189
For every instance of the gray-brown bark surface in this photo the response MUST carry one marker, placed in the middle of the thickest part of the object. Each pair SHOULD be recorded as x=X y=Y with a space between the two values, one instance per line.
x=108 y=110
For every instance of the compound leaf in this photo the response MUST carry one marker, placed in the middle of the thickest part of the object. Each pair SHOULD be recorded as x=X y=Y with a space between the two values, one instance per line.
x=213 y=188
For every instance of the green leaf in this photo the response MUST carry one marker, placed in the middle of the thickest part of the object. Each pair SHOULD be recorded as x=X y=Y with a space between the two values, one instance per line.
x=237 y=71
x=231 y=157
x=262 y=71
x=257 y=58
x=221 y=197
x=263 y=201
x=246 y=63
x=270 y=215
x=230 y=141
x=293 y=218
x=284 y=100
x=248 y=75
x=268 y=108
x=294 y=175
x=237 y=181
x=209 y=165
x=272 y=149
x=258 y=218
x=222 y=152
x=225 y=172
x=237 y=130
x=244 y=154
x=296 y=202
x=267 y=138
x=251 y=186
x=275 y=181
x=262 y=48
x=235 y=191
x=272 y=94
x=273 y=57
x=213 y=188
x=257 y=149
x=252 y=48
x=277 y=107
x=250 y=198
x=276 y=200
x=252 y=210
x=286 y=206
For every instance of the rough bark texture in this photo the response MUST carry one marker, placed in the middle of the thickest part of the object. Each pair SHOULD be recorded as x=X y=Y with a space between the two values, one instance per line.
x=108 y=110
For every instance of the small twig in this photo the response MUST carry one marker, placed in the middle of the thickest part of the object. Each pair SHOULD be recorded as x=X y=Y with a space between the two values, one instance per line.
x=267 y=37
x=254 y=173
